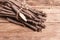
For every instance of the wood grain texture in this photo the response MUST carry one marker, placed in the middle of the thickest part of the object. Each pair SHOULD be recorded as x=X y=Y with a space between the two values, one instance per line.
x=53 y=12
x=16 y=32
x=44 y=2
x=10 y=31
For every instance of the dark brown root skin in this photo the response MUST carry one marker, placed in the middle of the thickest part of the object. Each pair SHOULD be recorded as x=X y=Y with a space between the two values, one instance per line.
x=35 y=18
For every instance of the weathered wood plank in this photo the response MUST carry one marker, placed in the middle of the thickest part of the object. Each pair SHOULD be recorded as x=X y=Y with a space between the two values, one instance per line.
x=51 y=17
x=50 y=32
x=53 y=13
x=10 y=27
x=43 y=2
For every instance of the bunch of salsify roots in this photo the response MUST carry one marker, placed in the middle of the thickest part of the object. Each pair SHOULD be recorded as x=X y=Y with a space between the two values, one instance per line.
x=20 y=15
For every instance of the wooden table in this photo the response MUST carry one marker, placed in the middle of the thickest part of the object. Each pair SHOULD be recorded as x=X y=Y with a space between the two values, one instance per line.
x=10 y=31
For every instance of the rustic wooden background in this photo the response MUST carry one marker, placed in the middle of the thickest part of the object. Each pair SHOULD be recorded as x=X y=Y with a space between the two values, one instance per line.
x=10 y=31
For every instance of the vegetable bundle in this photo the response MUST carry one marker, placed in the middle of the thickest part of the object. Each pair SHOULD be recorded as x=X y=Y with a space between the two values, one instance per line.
x=28 y=17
